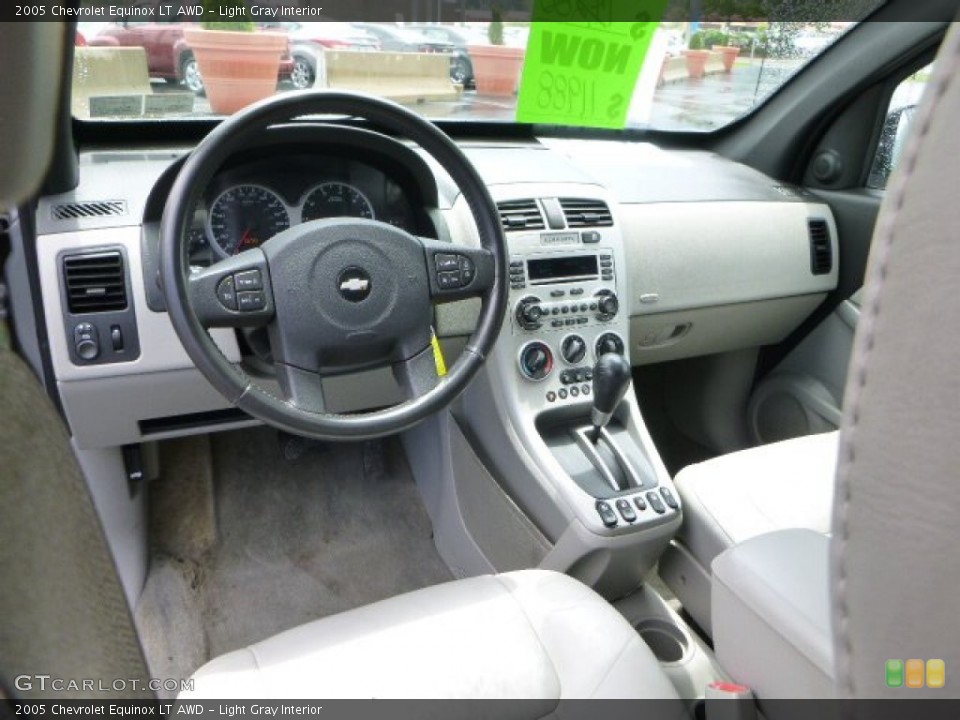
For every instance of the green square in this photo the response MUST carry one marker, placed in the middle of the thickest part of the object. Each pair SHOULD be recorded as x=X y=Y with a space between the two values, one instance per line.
x=894 y=673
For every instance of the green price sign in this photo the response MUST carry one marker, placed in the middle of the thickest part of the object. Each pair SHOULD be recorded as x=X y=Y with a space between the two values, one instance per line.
x=583 y=60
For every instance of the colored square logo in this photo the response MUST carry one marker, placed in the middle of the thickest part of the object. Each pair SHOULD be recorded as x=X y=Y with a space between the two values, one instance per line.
x=914 y=673
x=894 y=673
x=936 y=673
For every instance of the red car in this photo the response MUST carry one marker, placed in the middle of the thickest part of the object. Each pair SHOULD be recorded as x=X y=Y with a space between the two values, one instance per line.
x=168 y=55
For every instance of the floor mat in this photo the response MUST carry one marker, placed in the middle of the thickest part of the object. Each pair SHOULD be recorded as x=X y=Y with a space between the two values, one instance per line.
x=338 y=527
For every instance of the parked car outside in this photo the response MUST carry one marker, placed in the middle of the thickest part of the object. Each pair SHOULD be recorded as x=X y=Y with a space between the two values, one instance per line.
x=168 y=55
x=404 y=39
x=461 y=69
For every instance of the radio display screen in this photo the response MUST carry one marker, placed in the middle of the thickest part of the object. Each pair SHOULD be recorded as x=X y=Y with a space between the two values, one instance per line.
x=560 y=268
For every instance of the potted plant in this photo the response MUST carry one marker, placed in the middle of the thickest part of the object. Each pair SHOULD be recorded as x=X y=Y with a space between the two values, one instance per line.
x=495 y=66
x=696 y=57
x=728 y=51
x=239 y=66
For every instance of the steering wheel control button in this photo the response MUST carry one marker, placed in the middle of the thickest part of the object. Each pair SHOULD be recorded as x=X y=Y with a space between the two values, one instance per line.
x=251 y=301
x=227 y=293
x=668 y=498
x=86 y=341
x=626 y=512
x=573 y=349
x=446 y=262
x=449 y=280
x=607 y=515
x=536 y=361
x=248 y=280
x=656 y=503
x=354 y=284
x=467 y=271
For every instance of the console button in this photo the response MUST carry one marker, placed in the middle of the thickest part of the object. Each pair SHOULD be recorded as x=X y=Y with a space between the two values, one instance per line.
x=551 y=396
x=640 y=503
x=668 y=498
x=251 y=301
x=585 y=390
x=655 y=503
x=227 y=293
x=590 y=237
x=609 y=343
x=574 y=391
x=116 y=338
x=626 y=512
x=576 y=291
x=248 y=280
x=536 y=361
x=86 y=341
x=607 y=515
x=529 y=312
x=573 y=349
x=562 y=394
x=558 y=293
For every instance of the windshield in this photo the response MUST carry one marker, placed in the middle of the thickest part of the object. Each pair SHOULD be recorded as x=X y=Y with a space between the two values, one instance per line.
x=671 y=75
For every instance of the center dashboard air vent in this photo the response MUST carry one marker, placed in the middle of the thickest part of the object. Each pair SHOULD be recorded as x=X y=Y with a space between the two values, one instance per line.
x=585 y=212
x=821 y=252
x=520 y=215
x=95 y=282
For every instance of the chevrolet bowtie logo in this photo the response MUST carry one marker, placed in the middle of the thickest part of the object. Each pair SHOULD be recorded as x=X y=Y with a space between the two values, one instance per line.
x=354 y=284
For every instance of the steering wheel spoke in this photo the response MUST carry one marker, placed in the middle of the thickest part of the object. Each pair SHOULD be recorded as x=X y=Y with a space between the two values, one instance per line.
x=301 y=388
x=417 y=375
x=235 y=292
x=457 y=272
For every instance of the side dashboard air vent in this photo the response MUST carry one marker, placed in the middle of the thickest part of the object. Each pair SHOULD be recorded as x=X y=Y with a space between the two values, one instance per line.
x=95 y=282
x=520 y=215
x=821 y=252
x=586 y=213
x=104 y=208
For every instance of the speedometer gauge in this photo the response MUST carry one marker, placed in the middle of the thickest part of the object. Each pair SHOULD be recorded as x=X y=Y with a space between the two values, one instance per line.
x=246 y=216
x=336 y=199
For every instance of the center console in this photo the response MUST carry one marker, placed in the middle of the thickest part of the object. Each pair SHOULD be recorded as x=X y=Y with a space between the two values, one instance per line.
x=600 y=495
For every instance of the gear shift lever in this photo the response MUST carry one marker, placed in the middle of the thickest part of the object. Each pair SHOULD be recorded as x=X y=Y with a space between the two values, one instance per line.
x=611 y=377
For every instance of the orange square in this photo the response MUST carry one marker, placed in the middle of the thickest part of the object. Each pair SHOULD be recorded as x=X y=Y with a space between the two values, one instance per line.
x=936 y=673
x=914 y=674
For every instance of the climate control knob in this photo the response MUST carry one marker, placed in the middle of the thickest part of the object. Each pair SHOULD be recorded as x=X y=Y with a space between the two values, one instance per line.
x=573 y=349
x=608 y=305
x=536 y=361
x=609 y=343
x=529 y=313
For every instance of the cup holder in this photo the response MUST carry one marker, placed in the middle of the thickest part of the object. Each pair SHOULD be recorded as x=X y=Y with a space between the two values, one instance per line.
x=668 y=642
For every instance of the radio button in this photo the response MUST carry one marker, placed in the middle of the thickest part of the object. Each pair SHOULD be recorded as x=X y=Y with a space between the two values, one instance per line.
x=576 y=291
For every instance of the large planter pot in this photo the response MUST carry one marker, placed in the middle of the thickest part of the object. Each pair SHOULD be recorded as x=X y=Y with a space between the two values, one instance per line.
x=696 y=62
x=238 y=68
x=496 y=68
x=729 y=53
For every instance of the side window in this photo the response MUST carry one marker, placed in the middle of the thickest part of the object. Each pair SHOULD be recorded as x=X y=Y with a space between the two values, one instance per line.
x=896 y=128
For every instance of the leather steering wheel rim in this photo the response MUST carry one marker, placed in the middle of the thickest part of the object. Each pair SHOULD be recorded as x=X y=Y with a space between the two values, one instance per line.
x=229 y=379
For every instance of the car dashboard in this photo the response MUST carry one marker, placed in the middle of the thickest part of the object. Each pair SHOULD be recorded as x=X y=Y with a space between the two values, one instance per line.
x=703 y=255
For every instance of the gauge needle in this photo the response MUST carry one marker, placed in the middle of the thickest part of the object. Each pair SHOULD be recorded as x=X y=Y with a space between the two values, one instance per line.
x=245 y=238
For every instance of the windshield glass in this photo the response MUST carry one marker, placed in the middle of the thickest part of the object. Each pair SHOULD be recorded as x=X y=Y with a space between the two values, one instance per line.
x=670 y=75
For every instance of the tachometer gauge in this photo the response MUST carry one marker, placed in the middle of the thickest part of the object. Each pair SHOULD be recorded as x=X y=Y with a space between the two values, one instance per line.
x=336 y=199
x=246 y=216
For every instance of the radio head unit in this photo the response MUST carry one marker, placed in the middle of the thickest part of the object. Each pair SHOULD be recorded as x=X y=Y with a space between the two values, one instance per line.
x=562 y=268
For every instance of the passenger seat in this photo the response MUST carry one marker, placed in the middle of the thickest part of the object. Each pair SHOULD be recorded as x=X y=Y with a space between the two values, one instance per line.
x=738 y=496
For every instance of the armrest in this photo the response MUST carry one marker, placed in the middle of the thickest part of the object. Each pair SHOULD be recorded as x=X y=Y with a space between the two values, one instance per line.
x=771 y=614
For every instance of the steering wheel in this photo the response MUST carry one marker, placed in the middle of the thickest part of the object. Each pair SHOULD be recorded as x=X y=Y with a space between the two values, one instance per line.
x=335 y=295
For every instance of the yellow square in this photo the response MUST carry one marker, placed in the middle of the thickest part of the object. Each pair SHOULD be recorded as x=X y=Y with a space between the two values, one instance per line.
x=914 y=674
x=936 y=673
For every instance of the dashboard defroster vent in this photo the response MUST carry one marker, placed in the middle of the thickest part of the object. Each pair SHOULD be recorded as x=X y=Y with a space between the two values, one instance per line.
x=520 y=215
x=821 y=252
x=103 y=208
x=581 y=212
x=95 y=282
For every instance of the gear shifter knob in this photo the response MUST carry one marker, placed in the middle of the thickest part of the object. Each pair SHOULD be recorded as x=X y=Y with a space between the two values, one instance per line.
x=611 y=378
